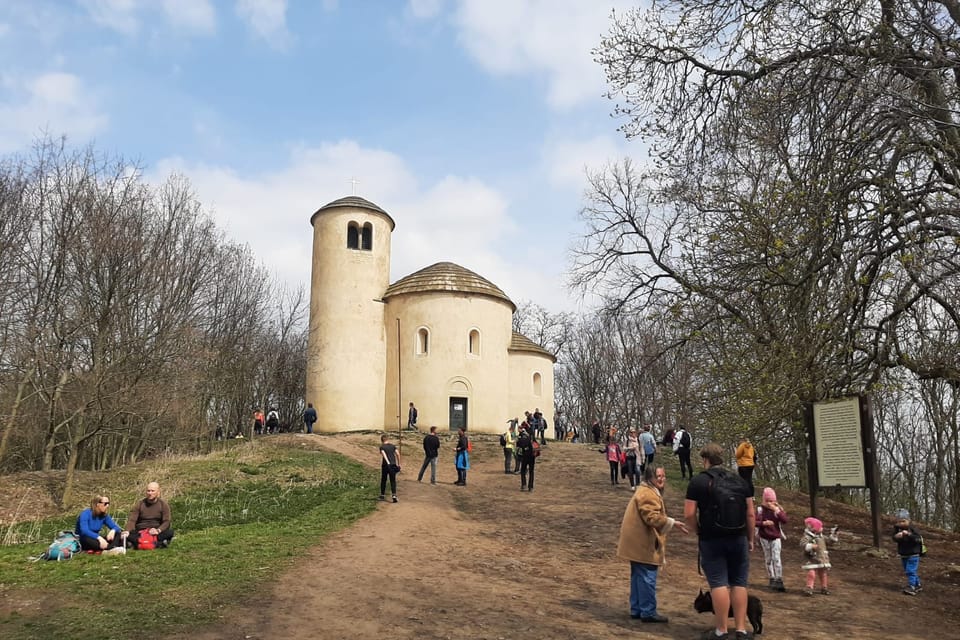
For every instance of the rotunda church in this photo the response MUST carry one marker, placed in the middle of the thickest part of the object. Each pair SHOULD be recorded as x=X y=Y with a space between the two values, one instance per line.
x=440 y=338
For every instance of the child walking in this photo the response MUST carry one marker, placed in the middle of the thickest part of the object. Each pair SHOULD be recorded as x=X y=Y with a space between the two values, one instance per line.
x=909 y=547
x=613 y=454
x=814 y=545
x=770 y=520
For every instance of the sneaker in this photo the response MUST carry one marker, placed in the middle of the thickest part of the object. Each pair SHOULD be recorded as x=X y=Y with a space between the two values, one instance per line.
x=779 y=586
x=382 y=498
x=743 y=635
x=711 y=634
x=918 y=588
x=395 y=499
x=825 y=592
x=808 y=591
x=910 y=590
x=654 y=618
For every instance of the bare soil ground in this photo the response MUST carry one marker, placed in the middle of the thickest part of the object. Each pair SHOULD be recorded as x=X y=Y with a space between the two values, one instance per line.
x=488 y=561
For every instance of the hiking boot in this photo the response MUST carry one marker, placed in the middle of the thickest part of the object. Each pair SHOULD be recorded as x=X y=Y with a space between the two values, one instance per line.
x=910 y=590
x=395 y=499
x=779 y=586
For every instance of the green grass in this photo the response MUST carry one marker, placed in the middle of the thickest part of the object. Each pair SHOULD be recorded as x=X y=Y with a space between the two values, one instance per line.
x=241 y=517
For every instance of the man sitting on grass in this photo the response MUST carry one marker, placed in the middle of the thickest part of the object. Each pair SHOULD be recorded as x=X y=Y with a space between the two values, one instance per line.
x=150 y=516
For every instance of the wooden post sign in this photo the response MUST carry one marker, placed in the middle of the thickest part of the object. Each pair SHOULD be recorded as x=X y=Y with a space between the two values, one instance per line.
x=842 y=451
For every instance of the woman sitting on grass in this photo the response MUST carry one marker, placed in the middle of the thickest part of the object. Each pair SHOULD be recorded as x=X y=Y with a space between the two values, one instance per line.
x=90 y=523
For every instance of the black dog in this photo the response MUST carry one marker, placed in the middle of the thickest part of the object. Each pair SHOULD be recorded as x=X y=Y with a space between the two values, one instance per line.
x=704 y=603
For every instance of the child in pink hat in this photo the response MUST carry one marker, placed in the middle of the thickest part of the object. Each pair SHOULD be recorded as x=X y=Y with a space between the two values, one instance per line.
x=814 y=545
x=770 y=520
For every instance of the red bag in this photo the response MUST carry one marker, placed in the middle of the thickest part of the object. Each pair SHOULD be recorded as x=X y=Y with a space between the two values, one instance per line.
x=469 y=446
x=623 y=457
x=146 y=541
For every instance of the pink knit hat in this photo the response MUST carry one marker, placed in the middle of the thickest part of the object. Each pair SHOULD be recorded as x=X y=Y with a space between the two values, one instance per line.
x=769 y=495
x=813 y=524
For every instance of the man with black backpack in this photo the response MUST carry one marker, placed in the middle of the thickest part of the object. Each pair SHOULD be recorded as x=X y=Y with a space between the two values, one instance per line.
x=719 y=508
x=681 y=447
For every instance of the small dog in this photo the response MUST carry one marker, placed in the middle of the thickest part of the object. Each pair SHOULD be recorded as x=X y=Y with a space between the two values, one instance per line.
x=704 y=603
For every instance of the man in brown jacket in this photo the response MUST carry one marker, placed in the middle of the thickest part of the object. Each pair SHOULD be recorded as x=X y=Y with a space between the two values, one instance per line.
x=152 y=514
x=643 y=540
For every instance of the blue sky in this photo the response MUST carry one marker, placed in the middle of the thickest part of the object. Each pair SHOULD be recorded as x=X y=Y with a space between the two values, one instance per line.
x=469 y=121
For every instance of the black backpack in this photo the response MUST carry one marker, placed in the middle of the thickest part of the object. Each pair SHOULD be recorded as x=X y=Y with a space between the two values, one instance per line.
x=503 y=440
x=726 y=509
x=685 y=440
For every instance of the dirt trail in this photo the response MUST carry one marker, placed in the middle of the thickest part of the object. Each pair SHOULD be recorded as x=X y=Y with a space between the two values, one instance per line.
x=487 y=561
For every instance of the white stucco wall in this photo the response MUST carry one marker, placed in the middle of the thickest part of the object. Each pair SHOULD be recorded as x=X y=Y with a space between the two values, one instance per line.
x=523 y=396
x=429 y=380
x=346 y=357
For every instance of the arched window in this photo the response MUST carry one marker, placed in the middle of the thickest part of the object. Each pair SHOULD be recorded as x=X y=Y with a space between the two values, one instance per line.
x=367 y=241
x=353 y=236
x=423 y=341
x=473 y=343
x=537 y=384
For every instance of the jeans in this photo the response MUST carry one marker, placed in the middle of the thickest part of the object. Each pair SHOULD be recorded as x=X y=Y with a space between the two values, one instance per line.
x=507 y=460
x=910 y=566
x=433 y=469
x=643 y=589
x=684 y=455
x=614 y=471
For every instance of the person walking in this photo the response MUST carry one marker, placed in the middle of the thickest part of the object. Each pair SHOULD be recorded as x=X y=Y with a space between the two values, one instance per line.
x=682 y=444
x=412 y=414
x=643 y=542
x=528 y=459
x=746 y=459
x=309 y=417
x=648 y=444
x=389 y=466
x=909 y=548
x=431 y=450
x=632 y=449
x=613 y=453
x=719 y=508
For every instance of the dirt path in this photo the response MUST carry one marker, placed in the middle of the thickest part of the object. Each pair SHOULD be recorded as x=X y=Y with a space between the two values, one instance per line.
x=487 y=561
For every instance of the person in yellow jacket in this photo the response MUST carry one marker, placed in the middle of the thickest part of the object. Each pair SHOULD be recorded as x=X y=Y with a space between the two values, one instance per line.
x=746 y=459
x=643 y=540
x=511 y=463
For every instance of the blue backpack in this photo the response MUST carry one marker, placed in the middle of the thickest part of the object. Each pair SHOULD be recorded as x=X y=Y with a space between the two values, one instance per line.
x=63 y=547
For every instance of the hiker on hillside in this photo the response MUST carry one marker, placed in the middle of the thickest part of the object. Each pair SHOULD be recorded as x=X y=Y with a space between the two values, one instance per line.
x=613 y=454
x=510 y=448
x=389 y=466
x=643 y=541
x=719 y=508
x=649 y=445
x=258 y=422
x=461 y=457
x=273 y=421
x=631 y=447
x=309 y=417
x=528 y=460
x=909 y=548
x=148 y=525
x=431 y=450
x=90 y=524
x=770 y=520
x=682 y=444
x=746 y=459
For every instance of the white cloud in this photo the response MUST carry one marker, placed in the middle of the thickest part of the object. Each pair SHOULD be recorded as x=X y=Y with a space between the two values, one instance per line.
x=119 y=15
x=567 y=161
x=459 y=219
x=57 y=103
x=193 y=15
x=554 y=37
x=267 y=19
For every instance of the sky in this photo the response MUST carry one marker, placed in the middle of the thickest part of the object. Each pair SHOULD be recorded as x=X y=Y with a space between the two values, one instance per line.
x=471 y=122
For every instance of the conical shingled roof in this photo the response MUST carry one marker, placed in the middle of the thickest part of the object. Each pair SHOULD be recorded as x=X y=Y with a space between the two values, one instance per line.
x=354 y=201
x=520 y=342
x=446 y=276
